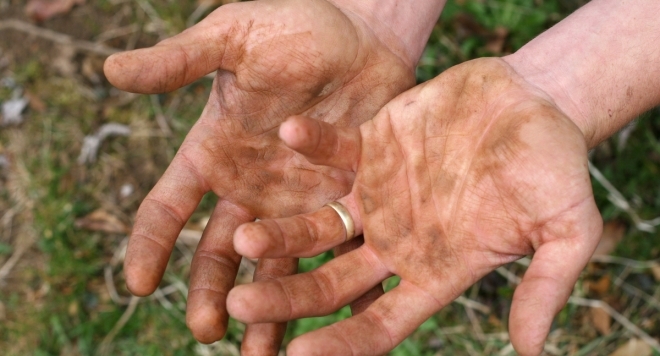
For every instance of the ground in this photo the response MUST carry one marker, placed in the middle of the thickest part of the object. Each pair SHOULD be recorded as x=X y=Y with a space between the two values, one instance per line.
x=63 y=223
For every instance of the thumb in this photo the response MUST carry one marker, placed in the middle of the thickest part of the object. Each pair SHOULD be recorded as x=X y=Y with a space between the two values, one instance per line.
x=184 y=58
x=547 y=285
x=323 y=143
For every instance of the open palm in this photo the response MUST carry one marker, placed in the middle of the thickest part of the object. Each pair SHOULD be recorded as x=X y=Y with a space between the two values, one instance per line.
x=455 y=177
x=274 y=59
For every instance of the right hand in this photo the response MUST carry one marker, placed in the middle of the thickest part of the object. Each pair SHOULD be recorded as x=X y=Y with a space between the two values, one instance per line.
x=273 y=59
x=456 y=177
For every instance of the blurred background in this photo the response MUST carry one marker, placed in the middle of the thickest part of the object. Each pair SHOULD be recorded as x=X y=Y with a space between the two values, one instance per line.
x=77 y=156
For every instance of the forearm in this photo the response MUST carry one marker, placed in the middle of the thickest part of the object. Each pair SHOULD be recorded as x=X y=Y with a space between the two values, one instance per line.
x=403 y=25
x=601 y=65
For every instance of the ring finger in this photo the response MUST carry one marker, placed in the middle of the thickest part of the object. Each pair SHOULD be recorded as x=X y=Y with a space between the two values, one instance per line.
x=304 y=235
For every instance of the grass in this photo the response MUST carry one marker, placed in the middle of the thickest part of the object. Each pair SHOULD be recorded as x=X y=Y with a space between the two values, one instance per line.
x=56 y=299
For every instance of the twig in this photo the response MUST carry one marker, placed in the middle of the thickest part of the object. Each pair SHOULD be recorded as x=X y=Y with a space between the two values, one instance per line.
x=133 y=40
x=158 y=294
x=625 y=261
x=155 y=18
x=476 y=326
x=247 y=266
x=547 y=348
x=512 y=278
x=7 y=220
x=653 y=302
x=110 y=286
x=80 y=45
x=11 y=262
x=120 y=253
x=169 y=289
x=189 y=237
x=622 y=276
x=203 y=7
x=450 y=330
x=104 y=347
x=472 y=304
x=525 y=261
x=616 y=198
x=178 y=284
x=624 y=135
x=618 y=317
x=117 y=32
x=508 y=349
x=161 y=120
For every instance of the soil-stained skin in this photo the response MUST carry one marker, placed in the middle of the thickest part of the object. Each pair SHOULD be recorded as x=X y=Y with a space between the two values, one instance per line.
x=273 y=60
x=462 y=178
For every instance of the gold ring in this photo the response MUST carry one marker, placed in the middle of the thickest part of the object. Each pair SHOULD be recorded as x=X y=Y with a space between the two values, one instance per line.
x=346 y=218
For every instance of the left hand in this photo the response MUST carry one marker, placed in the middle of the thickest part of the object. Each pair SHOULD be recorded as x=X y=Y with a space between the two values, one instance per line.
x=273 y=59
x=455 y=178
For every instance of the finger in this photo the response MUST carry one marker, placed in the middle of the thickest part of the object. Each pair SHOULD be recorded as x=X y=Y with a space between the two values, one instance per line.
x=546 y=287
x=322 y=143
x=266 y=339
x=302 y=235
x=377 y=330
x=212 y=274
x=319 y=292
x=159 y=221
x=184 y=58
x=363 y=302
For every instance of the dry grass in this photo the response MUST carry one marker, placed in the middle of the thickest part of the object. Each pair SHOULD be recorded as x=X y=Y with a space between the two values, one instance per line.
x=61 y=283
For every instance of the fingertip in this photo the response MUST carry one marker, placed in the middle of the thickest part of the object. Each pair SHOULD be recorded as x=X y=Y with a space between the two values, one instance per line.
x=112 y=69
x=533 y=309
x=144 y=266
x=299 y=133
x=134 y=71
x=128 y=71
x=137 y=283
x=528 y=339
x=322 y=143
x=140 y=287
x=240 y=304
x=251 y=240
x=207 y=323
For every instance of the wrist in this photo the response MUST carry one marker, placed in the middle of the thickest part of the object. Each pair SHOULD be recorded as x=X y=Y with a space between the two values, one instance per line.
x=597 y=64
x=556 y=88
x=401 y=25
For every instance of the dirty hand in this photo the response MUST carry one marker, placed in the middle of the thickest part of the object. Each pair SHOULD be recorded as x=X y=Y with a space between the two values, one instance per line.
x=274 y=59
x=454 y=178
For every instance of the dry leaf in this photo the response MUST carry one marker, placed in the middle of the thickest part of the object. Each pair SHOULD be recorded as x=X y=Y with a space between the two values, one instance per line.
x=602 y=286
x=655 y=269
x=601 y=320
x=92 y=69
x=613 y=232
x=35 y=102
x=497 y=40
x=63 y=61
x=634 y=347
x=494 y=321
x=101 y=220
x=12 y=109
x=41 y=10
x=4 y=162
x=91 y=143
